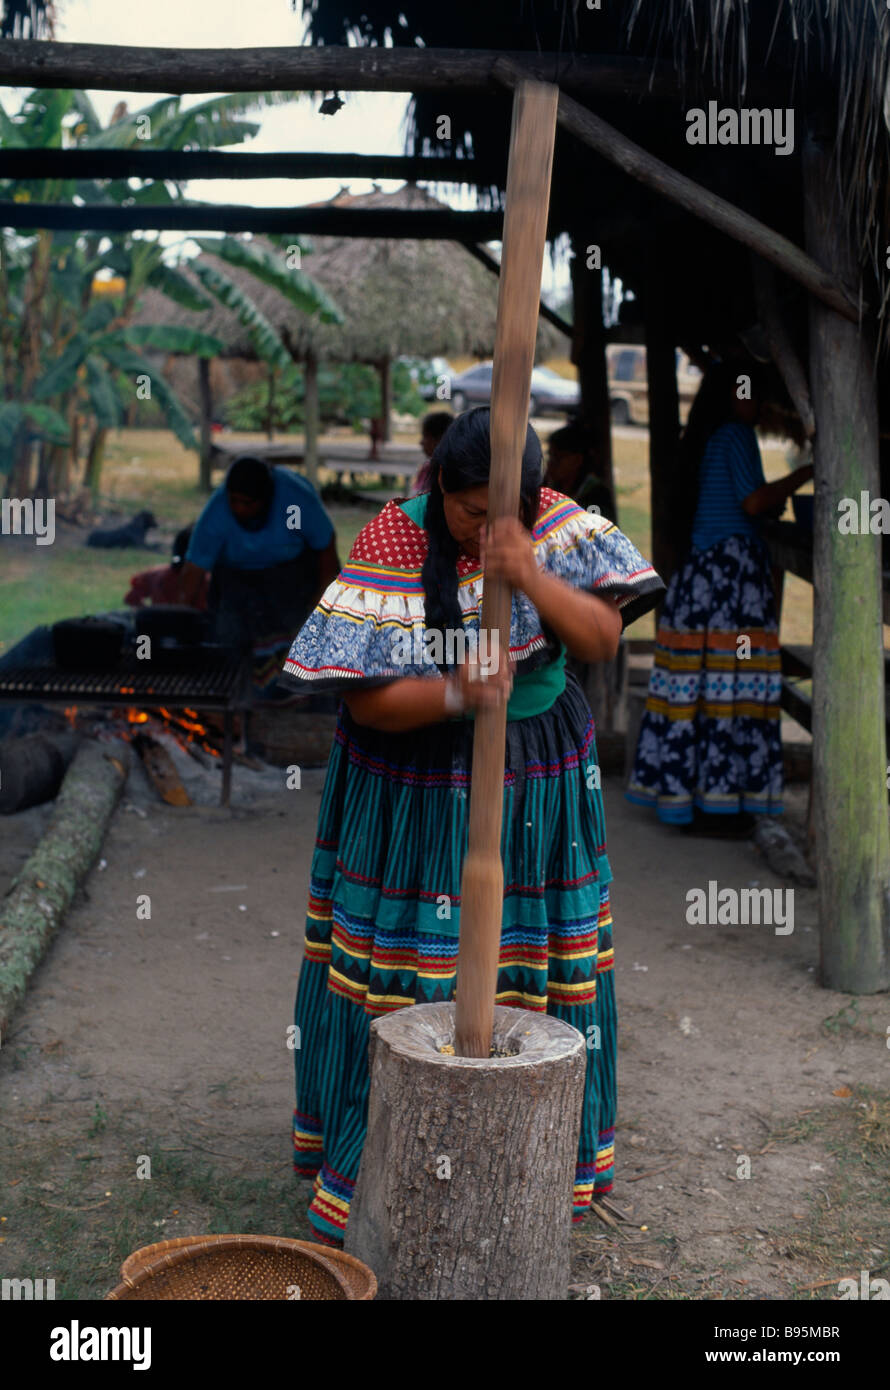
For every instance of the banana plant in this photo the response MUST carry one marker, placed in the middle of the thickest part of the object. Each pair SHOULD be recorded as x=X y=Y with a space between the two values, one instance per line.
x=62 y=348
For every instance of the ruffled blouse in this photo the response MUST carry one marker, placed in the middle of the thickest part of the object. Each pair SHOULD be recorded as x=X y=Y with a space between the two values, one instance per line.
x=368 y=627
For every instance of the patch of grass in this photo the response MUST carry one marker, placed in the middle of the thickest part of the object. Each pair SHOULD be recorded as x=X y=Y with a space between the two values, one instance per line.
x=848 y=1216
x=75 y=1220
x=99 y=1121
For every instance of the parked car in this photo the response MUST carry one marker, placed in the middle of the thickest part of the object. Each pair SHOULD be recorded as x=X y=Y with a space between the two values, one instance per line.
x=629 y=387
x=429 y=375
x=550 y=391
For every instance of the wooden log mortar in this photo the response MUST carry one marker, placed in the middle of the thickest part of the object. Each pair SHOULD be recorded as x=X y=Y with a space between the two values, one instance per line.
x=34 y=907
x=465 y=1185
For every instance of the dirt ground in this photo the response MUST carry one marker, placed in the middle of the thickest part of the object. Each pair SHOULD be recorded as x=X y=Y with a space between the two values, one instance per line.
x=160 y=1047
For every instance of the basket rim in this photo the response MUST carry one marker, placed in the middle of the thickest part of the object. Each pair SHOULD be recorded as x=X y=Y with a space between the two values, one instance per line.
x=363 y=1271
x=182 y=1248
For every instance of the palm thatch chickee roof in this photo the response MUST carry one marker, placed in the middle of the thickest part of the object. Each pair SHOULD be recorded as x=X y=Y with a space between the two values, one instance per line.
x=398 y=297
x=828 y=59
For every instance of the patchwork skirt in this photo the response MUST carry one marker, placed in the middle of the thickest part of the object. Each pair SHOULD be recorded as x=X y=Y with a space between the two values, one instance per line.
x=710 y=734
x=384 y=916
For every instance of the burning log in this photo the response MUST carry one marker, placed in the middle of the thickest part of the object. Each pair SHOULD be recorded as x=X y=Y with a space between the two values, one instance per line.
x=33 y=910
x=161 y=770
x=32 y=768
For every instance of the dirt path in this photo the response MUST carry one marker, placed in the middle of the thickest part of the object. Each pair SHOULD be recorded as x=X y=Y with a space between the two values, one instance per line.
x=165 y=1040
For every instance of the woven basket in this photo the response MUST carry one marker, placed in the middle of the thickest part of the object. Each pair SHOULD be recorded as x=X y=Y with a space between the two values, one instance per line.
x=242 y=1267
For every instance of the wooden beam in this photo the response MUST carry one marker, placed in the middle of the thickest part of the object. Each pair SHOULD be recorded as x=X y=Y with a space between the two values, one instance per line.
x=182 y=165
x=699 y=201
x=544 y=310
x=331 y=68
x=415 y=225
x=849 y=739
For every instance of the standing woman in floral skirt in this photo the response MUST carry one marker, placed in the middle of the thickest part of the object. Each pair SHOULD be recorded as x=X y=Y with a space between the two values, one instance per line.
x=392 y=828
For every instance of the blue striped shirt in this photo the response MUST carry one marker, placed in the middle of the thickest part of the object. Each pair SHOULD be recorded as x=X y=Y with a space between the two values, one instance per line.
x=731 y=469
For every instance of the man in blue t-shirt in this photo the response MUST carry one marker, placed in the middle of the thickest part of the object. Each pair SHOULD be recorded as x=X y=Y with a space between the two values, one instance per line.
x=271 y=549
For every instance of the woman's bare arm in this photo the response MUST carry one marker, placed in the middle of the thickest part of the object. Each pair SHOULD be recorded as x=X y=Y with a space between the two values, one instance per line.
x=417 y=701
x=590 y=626
x=772 y=495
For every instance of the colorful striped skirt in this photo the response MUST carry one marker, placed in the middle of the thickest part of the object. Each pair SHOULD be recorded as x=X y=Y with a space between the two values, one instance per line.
x=384 y=916
x=710 y=734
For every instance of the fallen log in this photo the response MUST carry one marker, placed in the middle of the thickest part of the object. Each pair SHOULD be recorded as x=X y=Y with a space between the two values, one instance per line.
x=32 y=768
x=36 y=904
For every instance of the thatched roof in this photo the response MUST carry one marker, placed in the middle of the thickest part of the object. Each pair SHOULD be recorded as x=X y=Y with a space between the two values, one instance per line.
x=829 y=59
x=398 y=297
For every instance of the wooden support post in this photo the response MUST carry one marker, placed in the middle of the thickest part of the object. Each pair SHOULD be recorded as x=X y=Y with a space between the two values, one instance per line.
x=671 y=501
x=849 y=740
x=465 y=1184
x=589 y=355
x=311 y=428
x=519 y=288
x=206 y=400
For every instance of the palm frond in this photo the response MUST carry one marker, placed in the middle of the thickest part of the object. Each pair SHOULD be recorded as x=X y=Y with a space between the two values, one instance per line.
x=271 y=268
x=265 y=340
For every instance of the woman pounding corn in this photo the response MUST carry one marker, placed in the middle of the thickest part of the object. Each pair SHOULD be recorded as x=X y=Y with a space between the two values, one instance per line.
x=384 y=899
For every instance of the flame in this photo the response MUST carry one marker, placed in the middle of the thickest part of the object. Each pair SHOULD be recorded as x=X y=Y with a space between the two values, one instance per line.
x=184 y=730
x=71 y=713
x=192 y=725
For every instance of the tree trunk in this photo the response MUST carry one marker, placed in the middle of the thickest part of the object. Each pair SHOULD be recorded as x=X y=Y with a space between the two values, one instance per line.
x=589 y=355
x=270 y=405
x=206 y=399
x=849 y=739
x=75 y=442
x=93 y=472
x=671 y=523
x=42 y=485
x=33 y=909
x=19 y=483
x=385 y=369
x=311 y=422
x=465 y=1186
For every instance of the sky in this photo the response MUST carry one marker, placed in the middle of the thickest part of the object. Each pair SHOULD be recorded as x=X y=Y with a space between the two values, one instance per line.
x=368 y=123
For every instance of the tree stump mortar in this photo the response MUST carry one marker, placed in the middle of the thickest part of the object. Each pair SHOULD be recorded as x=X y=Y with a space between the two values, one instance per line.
x=466 y=1181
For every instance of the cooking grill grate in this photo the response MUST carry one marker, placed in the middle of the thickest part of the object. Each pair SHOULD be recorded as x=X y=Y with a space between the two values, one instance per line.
x=216 y=683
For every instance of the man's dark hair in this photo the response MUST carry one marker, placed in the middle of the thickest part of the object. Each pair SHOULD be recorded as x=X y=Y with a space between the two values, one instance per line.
x=252 y=477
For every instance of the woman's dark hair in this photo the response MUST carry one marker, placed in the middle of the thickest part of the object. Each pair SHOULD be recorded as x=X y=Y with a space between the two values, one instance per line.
x=252 y=477
x=462 y=459
x=711 y=408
